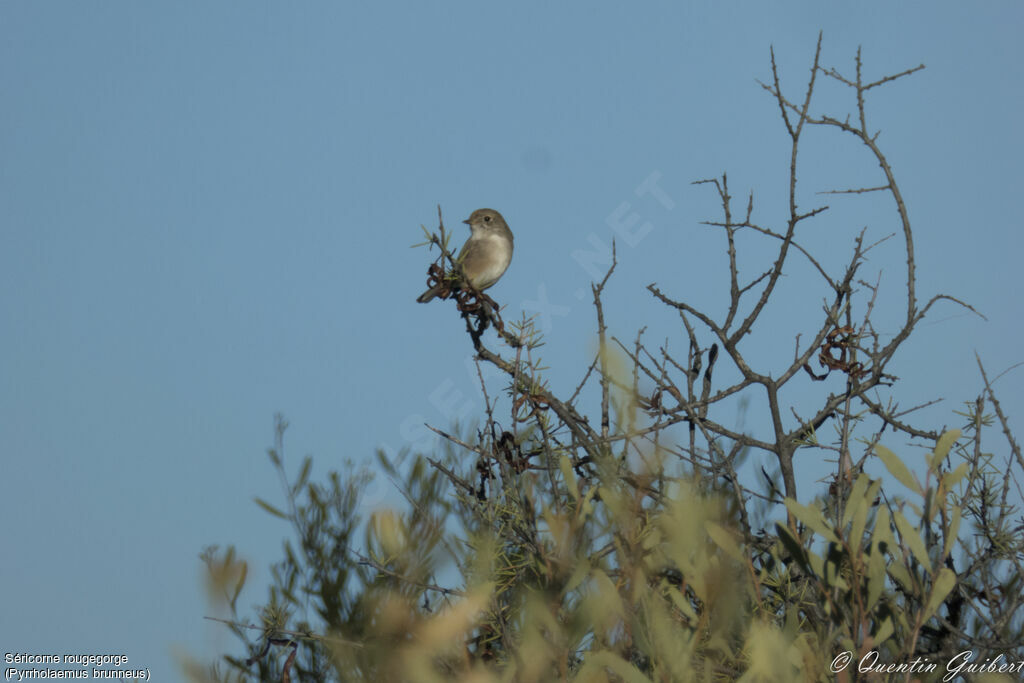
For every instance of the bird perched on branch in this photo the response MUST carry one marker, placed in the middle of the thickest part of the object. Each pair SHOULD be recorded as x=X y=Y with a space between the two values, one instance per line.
x=485 y=255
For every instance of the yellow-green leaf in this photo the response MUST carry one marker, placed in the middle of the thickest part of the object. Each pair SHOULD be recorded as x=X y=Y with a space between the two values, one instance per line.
x=942 y=447
x=860 y=519
x=950 y=479
x=913 y=539
x=944 y=582
x=812 y=518
x=897 y=469
x=817 y=563
x=901 y=574
x=876 y=576
x=604 y=608
x=882 y=532
x=682 y=604
x=856 y=497
x=885 y=629
x=833 y=578
x=569 y=476
x=724 y=539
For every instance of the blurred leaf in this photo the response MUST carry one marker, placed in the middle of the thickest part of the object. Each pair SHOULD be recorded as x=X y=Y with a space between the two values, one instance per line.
x=595 y=663
x=605 y=605
x=682 y=603
x=836 y=559
x=953 y=531
x=812 y=518
x=243 y=574
x=767 y=653
x=450 y=625
x=793 y=546
x=897 y=469
x=225 y=577
x=856 y=497
x=270 y=508
x=942 y=447
x=817 y=563
x=951 y=479
x=913 y=539
x=390 y=533
x=885 y=629
x=944 y=582
x=725 y=539
x=580 y=571
x=300 y=481
x=569 y=476
x=876 y=576
x=587 y=508
x=898 y=571
x=860 y=516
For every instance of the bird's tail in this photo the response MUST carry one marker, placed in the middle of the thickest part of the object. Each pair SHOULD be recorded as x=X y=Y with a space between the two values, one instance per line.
x=428 y=295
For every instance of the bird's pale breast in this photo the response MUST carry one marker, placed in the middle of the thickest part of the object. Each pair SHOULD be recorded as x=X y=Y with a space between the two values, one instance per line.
x=484 y=272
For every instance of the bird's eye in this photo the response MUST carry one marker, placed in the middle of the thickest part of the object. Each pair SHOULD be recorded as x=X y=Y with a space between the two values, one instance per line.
x=487 y=219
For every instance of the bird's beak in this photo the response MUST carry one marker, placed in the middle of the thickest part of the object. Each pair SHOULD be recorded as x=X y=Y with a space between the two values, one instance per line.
x=466 y=221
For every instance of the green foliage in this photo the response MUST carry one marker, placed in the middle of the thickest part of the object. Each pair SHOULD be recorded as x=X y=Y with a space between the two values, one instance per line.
x=611 y=583
x=639 y=544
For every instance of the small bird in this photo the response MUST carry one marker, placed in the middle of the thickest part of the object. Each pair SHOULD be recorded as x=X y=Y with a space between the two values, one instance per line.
x=485 y=255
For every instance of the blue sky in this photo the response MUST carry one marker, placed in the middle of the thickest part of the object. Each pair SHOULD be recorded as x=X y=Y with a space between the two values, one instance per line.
x=206 y=211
